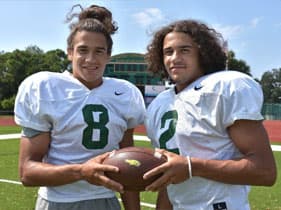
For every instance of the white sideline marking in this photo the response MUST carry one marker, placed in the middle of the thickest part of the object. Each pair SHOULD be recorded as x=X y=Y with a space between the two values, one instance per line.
x=276 y=147
x=141 y=138
x=148 y=205
x=136 y=137
x=144 y=204
x=19 y=183
x=10 y=181
x=18 y=135
x=10 y=136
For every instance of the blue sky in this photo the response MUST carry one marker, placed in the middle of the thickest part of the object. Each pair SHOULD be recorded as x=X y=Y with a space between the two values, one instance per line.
x=252 y=27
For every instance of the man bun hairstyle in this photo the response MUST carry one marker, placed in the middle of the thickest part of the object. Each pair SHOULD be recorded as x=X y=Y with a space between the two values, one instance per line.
x=93 y=19
x=102 y=14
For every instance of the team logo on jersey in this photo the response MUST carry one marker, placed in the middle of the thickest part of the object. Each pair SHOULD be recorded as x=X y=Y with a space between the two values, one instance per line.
x=220 y=206
x=117 y=93
x=198 y=87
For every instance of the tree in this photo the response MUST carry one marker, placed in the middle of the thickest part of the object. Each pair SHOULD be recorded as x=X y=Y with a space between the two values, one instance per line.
x=238 y=65
x=56 y=60
x=271 y=85
x=33 y=49
x=13 y=71
x=17 y=65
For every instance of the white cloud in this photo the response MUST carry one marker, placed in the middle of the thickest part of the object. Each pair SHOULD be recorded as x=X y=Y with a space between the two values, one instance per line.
x=255 y=21
x=228 y=32
x=148 y=17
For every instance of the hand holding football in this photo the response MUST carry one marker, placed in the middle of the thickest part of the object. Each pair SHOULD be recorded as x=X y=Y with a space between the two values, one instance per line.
x=133 y=163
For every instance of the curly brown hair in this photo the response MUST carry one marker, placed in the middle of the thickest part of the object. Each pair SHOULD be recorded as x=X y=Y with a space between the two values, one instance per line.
x=95 y=19
x=212 y=54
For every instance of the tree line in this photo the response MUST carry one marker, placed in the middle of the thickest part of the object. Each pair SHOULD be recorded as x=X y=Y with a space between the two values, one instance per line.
x=17 y=65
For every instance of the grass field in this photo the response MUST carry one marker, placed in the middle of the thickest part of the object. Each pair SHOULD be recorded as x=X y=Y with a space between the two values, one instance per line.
x=14 y=196
x=9 y=129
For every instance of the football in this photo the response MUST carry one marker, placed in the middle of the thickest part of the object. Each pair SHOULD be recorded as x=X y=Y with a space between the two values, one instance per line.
x=133 y=163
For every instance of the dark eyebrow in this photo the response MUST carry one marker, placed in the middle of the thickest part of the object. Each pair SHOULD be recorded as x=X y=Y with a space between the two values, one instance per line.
x=185 y=46
x=101 y=48
x=86 y=47
x=189 y=46
x=82 y=46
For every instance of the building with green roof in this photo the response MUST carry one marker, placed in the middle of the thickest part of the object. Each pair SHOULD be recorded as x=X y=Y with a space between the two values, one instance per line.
x=131 y=67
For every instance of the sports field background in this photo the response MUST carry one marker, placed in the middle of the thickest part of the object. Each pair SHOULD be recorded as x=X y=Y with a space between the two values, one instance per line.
x=13 y=196
x=273 y=127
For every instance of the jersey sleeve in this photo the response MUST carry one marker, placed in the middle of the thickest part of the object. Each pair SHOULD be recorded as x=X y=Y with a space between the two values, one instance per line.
x=160 y=105
x=28 y=108
x=150 y=126
x=242 y=99
x=136 y=109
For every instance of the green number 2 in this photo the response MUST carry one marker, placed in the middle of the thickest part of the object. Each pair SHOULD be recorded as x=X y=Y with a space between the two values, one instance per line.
x=171 y=116
x=100 y=125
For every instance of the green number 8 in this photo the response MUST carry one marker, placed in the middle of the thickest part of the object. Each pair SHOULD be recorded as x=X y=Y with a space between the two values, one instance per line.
x=88 y=111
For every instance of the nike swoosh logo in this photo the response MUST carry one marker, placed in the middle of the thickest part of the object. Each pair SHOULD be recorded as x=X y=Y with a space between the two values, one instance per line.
x=118 y=93
x=198 y=87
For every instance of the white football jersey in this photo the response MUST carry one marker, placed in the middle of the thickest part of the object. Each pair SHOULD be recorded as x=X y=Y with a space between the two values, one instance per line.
x=83 y=123
x=194 y=122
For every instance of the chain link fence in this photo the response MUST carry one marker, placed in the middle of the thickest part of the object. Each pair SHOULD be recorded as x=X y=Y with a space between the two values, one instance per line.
x=271 y=111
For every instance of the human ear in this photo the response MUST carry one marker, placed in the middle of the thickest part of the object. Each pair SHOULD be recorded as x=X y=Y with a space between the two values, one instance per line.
x=70 y=54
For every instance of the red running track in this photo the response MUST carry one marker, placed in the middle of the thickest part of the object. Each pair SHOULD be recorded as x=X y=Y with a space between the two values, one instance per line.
x=273 y=127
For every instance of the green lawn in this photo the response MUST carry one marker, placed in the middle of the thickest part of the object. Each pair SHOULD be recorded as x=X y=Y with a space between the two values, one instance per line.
x=17 y=197
x=9 y=129
x=268 y=198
